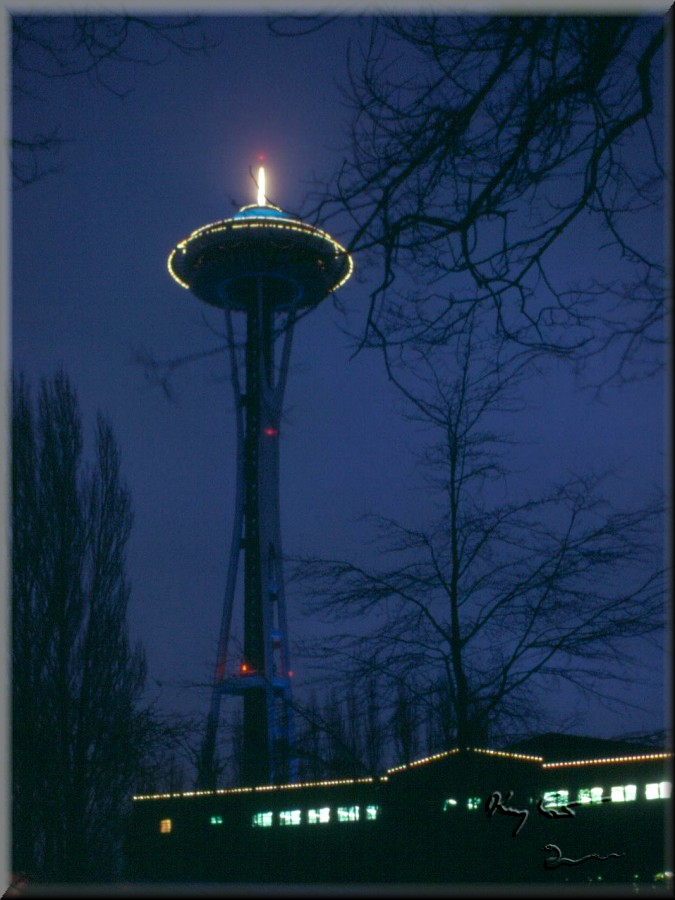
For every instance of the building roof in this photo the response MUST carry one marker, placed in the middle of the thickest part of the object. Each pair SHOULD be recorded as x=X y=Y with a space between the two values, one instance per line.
x=557 y=746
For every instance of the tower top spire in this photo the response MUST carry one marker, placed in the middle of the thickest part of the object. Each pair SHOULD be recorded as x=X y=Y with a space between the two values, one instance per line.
x=303 y=262
x=262 y=200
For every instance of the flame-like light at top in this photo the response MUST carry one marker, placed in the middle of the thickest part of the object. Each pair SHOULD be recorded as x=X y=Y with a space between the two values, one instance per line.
x=261 y=187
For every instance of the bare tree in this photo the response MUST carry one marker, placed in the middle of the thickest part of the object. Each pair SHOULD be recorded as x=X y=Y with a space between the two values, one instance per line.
x=309 y=751
x=499 y=598
x=373 y=731
x=339 y=760
x=338 y=736
x=405 y=724
x=86 y=46
x=480 y=146
x=79 y=733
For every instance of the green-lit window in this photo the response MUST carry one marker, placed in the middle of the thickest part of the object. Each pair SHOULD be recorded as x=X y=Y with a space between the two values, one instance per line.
x=556 y=798
x=216 y=820
x=372 y=812
x=263 y=819
x=590 y=795
x=315 y=816
x=290 y=817
x=624 y=792
x=348 y=813
x=165 y=826
x=473 y=803
x=658 y=790
x=450 y=803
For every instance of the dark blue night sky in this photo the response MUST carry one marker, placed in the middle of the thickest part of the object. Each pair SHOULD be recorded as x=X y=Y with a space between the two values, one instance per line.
x=90 y=287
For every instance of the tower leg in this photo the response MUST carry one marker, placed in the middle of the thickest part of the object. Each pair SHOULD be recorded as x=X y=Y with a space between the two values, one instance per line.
x=207 y=767
x=263 y=675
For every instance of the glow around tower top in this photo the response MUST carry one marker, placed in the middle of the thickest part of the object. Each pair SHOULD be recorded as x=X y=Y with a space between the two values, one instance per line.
x=298 y=263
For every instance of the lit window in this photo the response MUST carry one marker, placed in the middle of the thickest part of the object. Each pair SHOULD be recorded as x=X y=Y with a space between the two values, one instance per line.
x=624 y=792
x=473 y=803
x=318 y=815
x=590 y=795
x=263 y=820
x=656 y=791
x=290 y=817
x=348 y=813
x=448 y=804
x=372 y=812
x=165 y=826
x=216 y=820
x=556 y=798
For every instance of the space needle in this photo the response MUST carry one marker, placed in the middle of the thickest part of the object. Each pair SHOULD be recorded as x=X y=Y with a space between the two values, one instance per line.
x=271 y=268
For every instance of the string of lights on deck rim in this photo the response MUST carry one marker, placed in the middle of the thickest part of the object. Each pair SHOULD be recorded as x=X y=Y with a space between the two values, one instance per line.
x=267 y=220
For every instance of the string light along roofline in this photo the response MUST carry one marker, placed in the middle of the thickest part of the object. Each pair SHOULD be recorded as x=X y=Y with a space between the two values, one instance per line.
x=418 y=762
x=607 y=759
x=256 y=789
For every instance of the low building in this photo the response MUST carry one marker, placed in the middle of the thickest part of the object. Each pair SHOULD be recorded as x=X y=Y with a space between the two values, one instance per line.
x=593 y=811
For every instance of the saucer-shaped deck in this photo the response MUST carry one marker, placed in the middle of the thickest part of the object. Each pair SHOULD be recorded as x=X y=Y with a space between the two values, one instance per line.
x=225 y=262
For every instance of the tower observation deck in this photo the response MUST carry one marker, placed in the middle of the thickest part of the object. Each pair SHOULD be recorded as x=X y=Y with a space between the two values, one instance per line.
x=268 y=267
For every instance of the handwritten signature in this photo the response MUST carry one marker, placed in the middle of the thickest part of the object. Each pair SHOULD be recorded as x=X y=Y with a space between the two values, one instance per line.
x=559 y=860
x=495 y=803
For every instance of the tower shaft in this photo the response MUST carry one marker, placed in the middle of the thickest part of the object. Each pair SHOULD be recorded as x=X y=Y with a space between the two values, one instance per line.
x=262 y=555
x=268 y=266
x=263 y=676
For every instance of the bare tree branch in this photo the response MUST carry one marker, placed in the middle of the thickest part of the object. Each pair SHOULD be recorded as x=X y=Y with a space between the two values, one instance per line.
x=494 y=599
x=479 y=146
x=90 y=46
